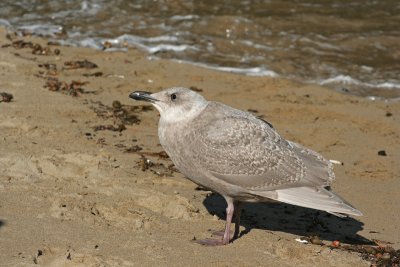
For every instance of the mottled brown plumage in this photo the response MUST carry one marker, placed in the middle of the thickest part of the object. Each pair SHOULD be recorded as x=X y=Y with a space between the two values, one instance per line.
x=240 y=156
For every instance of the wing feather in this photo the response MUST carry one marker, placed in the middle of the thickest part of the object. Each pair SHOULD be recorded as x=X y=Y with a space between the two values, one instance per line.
x=242 y=150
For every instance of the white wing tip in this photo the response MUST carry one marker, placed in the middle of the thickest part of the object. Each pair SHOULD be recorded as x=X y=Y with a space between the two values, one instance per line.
x=354 y=212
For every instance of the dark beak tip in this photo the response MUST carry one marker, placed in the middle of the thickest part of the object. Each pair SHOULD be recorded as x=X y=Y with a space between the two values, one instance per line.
x=134 y=95
x=142 y=95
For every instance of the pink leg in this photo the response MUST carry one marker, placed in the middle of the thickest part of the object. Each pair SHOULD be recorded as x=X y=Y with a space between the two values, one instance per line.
x=229 y=214
x=238 y=206
x=227 y=234
x=238 y=213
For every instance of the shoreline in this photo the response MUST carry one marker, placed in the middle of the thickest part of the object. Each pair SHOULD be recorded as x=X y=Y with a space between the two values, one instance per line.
x=343 y=83
x=74 y=174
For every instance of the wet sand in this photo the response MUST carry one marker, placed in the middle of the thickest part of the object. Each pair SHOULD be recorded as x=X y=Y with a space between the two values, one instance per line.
x=83 y=181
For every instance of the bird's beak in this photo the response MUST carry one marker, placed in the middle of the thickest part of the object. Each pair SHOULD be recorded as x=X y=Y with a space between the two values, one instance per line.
x=142 y=95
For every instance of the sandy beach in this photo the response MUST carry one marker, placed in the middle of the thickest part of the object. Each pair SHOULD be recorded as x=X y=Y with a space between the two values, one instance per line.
x=84 y=180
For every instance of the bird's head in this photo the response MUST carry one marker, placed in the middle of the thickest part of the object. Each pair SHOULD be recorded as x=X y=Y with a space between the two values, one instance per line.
x=174 y=104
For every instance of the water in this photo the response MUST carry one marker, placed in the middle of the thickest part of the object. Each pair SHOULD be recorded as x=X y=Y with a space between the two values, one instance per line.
x=348 y=45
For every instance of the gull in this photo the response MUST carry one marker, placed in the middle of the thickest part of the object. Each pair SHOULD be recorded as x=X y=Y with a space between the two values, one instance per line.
x=240 y=156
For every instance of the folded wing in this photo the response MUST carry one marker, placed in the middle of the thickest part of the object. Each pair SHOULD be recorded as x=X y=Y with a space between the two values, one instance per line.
x=244 y=151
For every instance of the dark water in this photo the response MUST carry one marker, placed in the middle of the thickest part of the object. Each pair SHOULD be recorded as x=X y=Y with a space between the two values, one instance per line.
x=347 y=45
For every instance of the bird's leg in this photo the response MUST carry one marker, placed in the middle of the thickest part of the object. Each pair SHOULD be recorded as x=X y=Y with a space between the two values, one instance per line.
x=227 y=234
x=229 y=214
x=238 y=206
x=238 y=213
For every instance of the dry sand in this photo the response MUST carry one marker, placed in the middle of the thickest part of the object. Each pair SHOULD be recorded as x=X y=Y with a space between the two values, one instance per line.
x=75 y=193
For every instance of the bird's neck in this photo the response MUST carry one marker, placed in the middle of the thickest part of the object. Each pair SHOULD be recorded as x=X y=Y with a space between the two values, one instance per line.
x=180 y=115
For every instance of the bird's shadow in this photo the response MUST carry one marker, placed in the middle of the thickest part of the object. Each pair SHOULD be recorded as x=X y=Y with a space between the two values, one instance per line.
x=276 y=216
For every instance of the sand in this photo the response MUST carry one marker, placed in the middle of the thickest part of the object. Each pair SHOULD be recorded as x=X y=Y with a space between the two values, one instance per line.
x=83 y=183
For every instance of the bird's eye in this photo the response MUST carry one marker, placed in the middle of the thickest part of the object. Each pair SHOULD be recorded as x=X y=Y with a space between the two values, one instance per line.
x=173 y=97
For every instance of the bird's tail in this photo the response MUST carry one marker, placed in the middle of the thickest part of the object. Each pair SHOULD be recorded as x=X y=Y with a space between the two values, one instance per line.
x=316 y=198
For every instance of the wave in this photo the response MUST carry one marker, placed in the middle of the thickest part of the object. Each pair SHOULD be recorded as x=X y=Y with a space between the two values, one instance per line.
x=257 y=71
x=348 y=80
x=48 y=30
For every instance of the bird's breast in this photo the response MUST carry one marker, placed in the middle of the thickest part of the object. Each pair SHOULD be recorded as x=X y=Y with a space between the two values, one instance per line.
x=173 y=142
x=177 y=142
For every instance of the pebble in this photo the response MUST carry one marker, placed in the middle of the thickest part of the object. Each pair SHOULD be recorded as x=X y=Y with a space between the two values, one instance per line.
x=386 y=256
x=6 y=97
x=315 y=240
x=382 y=153
x=335 y=243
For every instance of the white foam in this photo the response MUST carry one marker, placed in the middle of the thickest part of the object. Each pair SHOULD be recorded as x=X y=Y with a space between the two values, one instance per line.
x=5 y=23
x=388 y=85
x=323 y=45
x=255 y=45
x=184 y=17
x=166 y=47
x=91 y=43
x=138 y=39
x=90 y=8
x=143 y=43
x=257 y=71
x=140 y=42
x=43 y=29
x=347 y=80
